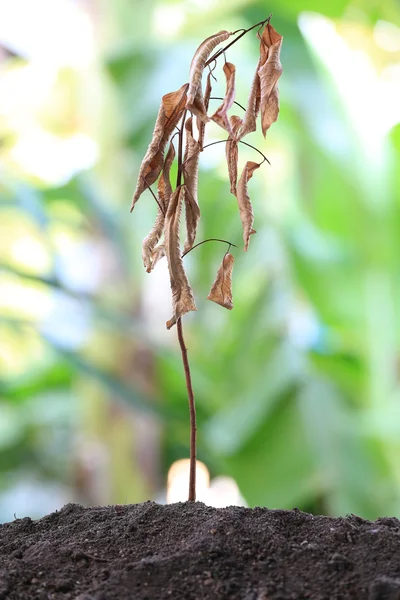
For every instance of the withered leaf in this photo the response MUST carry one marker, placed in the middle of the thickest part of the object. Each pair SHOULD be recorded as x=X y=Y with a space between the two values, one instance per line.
x=164 y=195
x=195 y=101
x=164 y=187
x=245 y=207
x=157 y=254
x=221 y=289
x=182 y=295
x=171 y=110
x=220 y=116
x=249 y=123
x=190 y=176
x=269 y=71
x=201 y=126
x=151 y=240
x=232 y=153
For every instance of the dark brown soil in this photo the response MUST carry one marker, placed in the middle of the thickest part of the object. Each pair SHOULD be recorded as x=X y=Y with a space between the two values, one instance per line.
x=191 y=551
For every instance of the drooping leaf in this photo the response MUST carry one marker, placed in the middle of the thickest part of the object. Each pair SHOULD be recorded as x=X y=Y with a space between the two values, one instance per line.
x=221 y=289
x=195 y=101
x=164 y=195
x=164 y=186
x=201 y=126
x=249 y=122
x=182 y=295
x=190 y=176
x=151 y=240
x=220 y=116
x=231 y=152
x=269 y=71
x=171 y=110
x=157 y=254
x=245 y=207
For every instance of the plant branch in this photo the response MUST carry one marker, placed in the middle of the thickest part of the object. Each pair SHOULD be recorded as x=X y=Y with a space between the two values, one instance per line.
x=244 y=31
x=209 y=240
x=218 y=98
x=154 y=196
x=180 y=150
x=186 y=367
x=192 y=411
x=240 y=142
x=256 y=149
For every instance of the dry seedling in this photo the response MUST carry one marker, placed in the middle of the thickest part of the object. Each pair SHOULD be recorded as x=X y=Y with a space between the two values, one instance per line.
x=184 y=114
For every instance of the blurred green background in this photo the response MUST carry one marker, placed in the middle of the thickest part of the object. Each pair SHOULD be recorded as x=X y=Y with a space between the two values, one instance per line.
x=297 y=388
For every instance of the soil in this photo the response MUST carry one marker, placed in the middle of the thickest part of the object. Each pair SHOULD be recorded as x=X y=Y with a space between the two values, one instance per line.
x=192 y=551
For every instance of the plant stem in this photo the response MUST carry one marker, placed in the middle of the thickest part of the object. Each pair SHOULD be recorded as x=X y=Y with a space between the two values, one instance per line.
x=192 y=407
x=209 y=240
x=180 y=150
x=192 y=412
x=154 y=196
x=240 y=142
x=244 y=31
x=218 y=98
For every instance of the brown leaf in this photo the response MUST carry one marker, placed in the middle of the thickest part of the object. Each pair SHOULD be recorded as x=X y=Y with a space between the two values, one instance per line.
x=269 y=71
x=164 y=187
x=220 y=116
x=190 y=176
x=201 y=126
x=171 y=110
x=182 y=295
x=249 y=123
x=164 y=195
x=232 y=153
x=157 y=254
x=195 y=101
x=221 y=289
x=245 y=207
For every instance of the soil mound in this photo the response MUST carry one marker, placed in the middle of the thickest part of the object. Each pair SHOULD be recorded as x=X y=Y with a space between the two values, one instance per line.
x=191 y=551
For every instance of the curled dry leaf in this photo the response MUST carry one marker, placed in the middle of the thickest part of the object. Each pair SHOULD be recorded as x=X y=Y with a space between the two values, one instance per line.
x=201 y=126
x=221 y=289
x=195 y=101
x=150 y=254
x=245 y=207
x=182 y=295
x=220 y=116
x=232 y=153
x=171 y=110
x=269 y=71
x=157 y=254
x=190 y=176
x=164 y=187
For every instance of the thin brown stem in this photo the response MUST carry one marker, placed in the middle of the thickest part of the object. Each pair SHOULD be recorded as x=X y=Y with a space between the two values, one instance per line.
x=192 y=412
x=209 y=240
x=218 y=98
x=240 y=142
x=180 y=150
x=256 y=149
x=154 y=196
x=189 y=387
x=244 y=31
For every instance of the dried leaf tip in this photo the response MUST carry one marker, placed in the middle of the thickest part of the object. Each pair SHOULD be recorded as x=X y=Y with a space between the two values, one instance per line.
x=245 y=207
x=221 y=290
